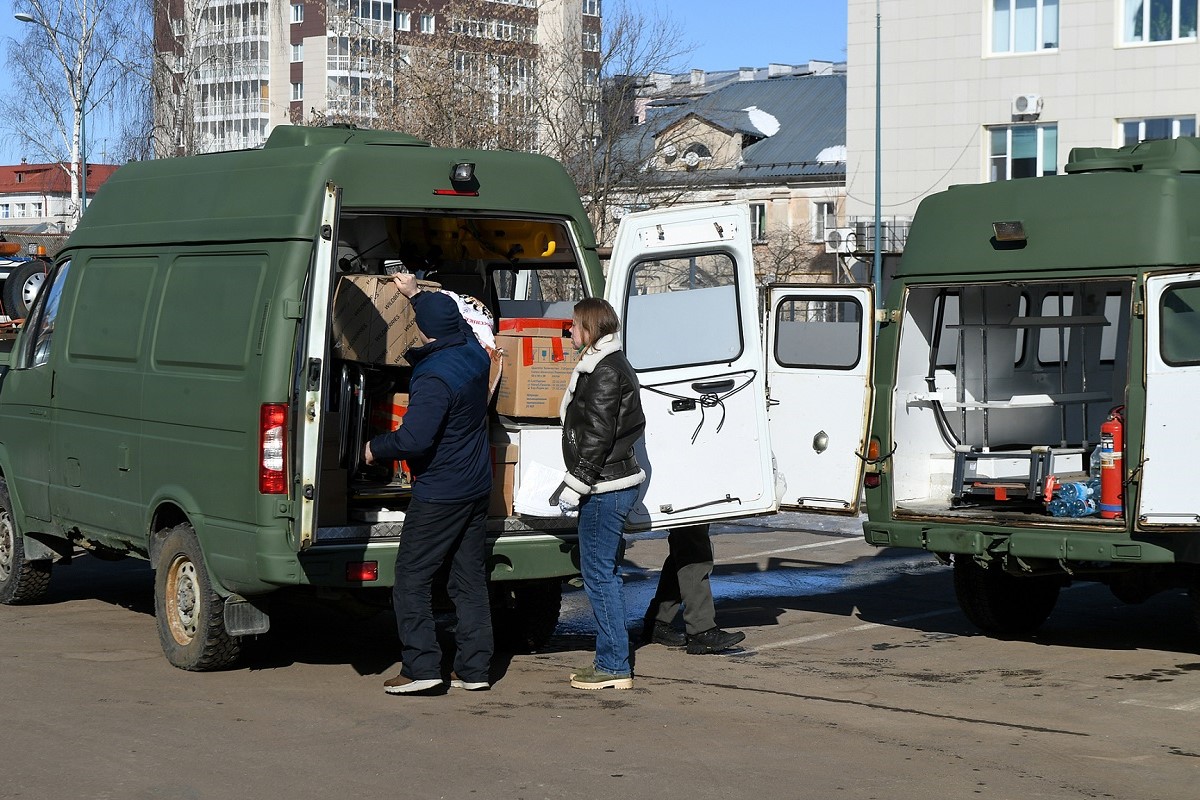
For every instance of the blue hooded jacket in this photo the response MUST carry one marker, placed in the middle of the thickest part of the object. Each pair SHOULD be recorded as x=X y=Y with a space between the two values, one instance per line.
x=444 y=437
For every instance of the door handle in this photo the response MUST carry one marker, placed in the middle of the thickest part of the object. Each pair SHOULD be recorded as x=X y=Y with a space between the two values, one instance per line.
x=713 y=387
x=37 y=412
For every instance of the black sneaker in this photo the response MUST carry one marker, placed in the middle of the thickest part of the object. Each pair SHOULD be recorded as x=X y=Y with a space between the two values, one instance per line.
x=662 y=633
x=713 y=640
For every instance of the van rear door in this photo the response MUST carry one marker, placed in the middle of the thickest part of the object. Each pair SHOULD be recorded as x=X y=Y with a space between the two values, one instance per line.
x=682 y=281
x=311 y=372
x=1166 y=495
x=819 y=353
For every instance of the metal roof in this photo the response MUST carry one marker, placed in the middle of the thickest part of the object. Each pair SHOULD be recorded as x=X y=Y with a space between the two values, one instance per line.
x=810 y=112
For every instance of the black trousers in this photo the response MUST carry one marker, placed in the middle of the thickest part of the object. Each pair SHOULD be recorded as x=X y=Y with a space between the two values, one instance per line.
x=433 y=534
x=684 y=581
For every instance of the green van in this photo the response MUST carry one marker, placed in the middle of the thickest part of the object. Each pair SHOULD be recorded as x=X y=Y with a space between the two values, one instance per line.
x=176 y=394
x=187 y=388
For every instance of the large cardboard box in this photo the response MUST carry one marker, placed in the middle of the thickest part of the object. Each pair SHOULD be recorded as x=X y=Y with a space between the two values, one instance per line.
x=536 y=368
x=372 y=322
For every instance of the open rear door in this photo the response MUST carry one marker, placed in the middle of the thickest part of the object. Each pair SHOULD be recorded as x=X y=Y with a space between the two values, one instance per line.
x=1167 y=494
x=314 y=354
x=683 y=282
x=819 y=382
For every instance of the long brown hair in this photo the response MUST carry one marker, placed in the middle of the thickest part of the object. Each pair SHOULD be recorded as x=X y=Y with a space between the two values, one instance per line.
x=598 y=319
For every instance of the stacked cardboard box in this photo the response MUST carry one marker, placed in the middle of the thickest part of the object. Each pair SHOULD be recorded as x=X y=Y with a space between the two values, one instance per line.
x=504 y=471
x=537 y=362
x=372 y=321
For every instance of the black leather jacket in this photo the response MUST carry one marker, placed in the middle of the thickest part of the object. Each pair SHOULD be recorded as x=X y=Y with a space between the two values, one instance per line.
x=602 y=422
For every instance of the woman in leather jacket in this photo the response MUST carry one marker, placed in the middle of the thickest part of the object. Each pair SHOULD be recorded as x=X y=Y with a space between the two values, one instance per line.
x=602 y=418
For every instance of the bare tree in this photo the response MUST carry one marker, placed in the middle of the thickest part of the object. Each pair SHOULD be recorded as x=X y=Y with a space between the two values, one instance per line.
x=590 y=114
x=465 y=81
x=69 y=64
x=788 y=254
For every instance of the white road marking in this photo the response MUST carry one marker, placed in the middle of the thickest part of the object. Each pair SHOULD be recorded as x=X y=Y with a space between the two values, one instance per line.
x=796 y=547
x=866 y=626
x=1192 y=705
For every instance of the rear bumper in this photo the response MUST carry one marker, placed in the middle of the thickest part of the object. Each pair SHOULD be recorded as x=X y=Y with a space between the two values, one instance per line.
x=1071 y=545
x=521 y=557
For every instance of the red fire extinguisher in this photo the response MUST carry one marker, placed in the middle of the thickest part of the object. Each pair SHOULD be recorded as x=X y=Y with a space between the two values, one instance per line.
x=1112 y=465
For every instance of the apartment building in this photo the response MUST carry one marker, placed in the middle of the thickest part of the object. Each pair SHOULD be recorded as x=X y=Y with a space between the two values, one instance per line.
x=233 y=69
x=1003 y=89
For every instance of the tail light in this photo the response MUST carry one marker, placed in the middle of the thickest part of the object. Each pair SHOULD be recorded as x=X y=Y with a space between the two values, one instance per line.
x=871 y=478
x=272 y=448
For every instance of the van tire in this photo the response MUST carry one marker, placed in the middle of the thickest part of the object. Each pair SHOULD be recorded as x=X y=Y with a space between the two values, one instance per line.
x=21 y=580
x=21 y=287
x=190 y=614
x=1000 y=603
x=525 y=614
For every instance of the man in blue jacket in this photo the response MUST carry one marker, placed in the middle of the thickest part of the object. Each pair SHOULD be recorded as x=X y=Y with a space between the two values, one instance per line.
x=444 y=438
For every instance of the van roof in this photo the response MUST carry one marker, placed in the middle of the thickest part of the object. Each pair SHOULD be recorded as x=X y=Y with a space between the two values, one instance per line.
x=275 y=193
x=1115 y=208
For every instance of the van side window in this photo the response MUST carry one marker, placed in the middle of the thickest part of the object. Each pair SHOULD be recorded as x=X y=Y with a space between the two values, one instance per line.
x=683 y=311
x=44 y=315
x=818 y=332
x=1181 y=325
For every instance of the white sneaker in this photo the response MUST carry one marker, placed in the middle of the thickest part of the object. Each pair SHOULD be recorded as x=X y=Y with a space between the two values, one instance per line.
x=471 y=686
x=402 y=684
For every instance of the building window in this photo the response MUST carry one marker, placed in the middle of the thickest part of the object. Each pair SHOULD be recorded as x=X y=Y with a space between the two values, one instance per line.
x=824 y=219
x=1145 y=130
x=403 y=20
x=591 y=42
x=5 y=211
x=591 y=77
x=297 y=52
x=591 y=8
x=1024 y=26
x=297 y=13
x=758 y=221
x=297 y=91
x=1159 y=20
x=20 y=210
x=427 y=23
x=1022 y=151
x=35 y=209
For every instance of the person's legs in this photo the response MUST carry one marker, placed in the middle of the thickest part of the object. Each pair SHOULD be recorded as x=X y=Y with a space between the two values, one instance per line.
x=692 y=552
x=601 y=522
x=424 y=543
x=468 y=589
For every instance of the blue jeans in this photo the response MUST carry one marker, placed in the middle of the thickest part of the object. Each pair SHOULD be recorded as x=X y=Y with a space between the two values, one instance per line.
x=601 y=521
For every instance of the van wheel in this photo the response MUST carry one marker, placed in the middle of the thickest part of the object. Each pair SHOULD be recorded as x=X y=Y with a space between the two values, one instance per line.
x=21 y=580
x=525 y=614
x=21 y=287
x=190 y=614
x=1003 y=604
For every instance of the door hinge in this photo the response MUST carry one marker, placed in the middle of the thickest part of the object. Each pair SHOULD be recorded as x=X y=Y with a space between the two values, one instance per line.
x=1139 y=308
x=884 y=316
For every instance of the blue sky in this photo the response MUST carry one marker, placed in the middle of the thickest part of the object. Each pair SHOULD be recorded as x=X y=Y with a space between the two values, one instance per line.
x=725 y=35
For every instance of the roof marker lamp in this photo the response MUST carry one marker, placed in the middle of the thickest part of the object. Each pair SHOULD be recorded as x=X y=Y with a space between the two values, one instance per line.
x=462 y=178
x=1009 y=231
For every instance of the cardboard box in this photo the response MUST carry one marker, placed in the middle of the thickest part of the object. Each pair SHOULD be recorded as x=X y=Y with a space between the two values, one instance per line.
x=504 y=473
x=387 y=414
x=372 y=322
x=535 y=372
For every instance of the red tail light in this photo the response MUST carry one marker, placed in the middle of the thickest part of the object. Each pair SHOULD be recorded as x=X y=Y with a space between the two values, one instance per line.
x=871 y=479
x=272 y=448
x=362 y=571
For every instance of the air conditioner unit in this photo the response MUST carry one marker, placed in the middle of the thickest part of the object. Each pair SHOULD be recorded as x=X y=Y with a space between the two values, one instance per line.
x=1026 y=104
x=841 y=240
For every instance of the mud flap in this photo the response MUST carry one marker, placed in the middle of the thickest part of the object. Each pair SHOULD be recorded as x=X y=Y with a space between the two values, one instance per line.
x=243 y=618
